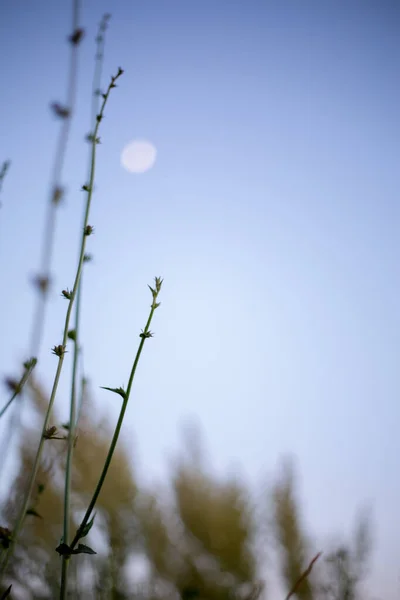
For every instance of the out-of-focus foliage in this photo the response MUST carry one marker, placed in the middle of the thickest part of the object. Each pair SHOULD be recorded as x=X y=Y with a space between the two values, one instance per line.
x=345 y=566
x=294 y=548
x=202 y=543
x=195 y=539
x=114 y=519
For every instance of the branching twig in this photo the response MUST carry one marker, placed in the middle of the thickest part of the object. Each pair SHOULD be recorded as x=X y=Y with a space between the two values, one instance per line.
x=86 y=524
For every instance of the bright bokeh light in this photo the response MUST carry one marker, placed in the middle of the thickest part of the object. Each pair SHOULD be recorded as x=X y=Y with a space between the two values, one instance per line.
x=138 y=156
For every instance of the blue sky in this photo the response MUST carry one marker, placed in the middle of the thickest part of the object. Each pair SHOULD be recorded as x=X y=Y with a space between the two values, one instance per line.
x=272 y=212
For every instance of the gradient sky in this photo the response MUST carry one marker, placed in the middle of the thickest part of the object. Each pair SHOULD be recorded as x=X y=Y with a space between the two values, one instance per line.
x=272 y=213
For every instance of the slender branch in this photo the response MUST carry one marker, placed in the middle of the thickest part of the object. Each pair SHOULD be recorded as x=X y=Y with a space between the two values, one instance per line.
x=125 y=395
x=303 y=576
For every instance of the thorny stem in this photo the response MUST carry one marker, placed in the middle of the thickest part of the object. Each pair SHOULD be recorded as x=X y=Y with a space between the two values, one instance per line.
x=60 y=350
x=143 y=336
x=73 y=421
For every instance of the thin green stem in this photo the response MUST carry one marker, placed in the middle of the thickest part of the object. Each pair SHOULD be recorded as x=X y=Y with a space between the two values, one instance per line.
x=143 y=336
x=60 y=350
x=73 y=421
x=68 y=469
x=64 y=578
x=100 y=42
x=82 y=395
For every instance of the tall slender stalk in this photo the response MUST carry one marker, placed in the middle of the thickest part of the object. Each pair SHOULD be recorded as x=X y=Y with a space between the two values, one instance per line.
x=86 y=524
x=56 y=189
x=73 y=421
x=71 y=442
x=60 y=349
x=56 y=193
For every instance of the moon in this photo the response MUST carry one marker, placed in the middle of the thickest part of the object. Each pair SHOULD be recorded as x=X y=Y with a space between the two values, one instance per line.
x=138 y=156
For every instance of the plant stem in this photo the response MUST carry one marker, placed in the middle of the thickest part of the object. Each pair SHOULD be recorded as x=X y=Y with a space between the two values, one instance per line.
x=60 y=350
x=68 y=469
x=39 y=312
x=144 y=335
x=38 y=321
x=72 y=416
